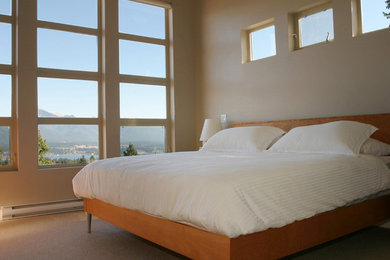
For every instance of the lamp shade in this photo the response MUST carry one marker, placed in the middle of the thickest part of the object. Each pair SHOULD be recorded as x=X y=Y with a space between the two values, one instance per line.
x=210 y=127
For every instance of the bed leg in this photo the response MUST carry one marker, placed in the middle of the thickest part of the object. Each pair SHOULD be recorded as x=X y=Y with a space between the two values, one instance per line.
x=89 y=221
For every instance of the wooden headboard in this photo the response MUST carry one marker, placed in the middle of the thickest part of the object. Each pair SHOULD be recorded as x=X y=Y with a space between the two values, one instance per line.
x=381 y=121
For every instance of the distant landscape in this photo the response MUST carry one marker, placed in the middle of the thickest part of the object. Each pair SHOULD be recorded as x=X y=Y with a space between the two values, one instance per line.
x=70 y=144
x=4 y=146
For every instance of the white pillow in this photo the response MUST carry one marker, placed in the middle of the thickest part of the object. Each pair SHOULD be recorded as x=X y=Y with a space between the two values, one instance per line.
x=375 y=147
x=243 y=139
x=339 y=137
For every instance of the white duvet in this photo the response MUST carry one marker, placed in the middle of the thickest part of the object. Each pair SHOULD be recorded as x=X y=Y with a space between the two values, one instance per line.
x=233 y=194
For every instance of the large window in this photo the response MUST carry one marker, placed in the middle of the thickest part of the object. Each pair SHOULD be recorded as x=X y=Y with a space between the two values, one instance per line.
x=144 y=77
x=68 y=82
x=7 y=89
x=370 y=15
x=82 y=80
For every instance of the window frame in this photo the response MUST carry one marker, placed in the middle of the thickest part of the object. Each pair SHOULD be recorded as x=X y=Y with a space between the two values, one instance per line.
x=297 y=33
x=246 y=39
x=9 y=69
x=357 y=19
x=356 y=11
x=76 y=75
x=167 y=123
x=24 y=72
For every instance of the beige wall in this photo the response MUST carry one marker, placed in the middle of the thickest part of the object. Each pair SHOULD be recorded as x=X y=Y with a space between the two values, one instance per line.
x=348 y=76
x=183 y=33
x=30 y=185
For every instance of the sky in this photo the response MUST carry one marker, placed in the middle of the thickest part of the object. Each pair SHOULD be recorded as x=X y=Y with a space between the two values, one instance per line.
x=315 y=28
x=263 y=42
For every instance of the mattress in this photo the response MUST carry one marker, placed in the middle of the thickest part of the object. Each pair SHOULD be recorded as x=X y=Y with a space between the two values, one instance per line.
x=233 y=194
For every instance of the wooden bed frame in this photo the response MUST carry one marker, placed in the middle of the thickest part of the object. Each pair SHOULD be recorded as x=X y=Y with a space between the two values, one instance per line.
x=272 y=243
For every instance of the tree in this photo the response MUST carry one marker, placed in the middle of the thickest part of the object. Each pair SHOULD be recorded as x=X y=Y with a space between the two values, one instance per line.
x=43 y=148
x=387 y=7
x=130 y=151
x=92 y=158
x=82 y=160
x=1 y=160
x=5 y=162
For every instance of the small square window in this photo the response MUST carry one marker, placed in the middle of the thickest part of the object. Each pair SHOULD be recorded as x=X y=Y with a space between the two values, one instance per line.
x=6 y=95
x=141 y=19
x=258 y=41
x=137 y=140
x=142 y=101
x=142 y=59
x=65 y=145
x=5 y=152
x=370 y=15
x=6 y=7
x=67 y=50
x=5 y=43
x=73 y=12
x=55 y=95
x=313 y=26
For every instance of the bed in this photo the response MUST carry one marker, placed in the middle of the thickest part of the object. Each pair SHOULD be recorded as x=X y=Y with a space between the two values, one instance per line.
x=270 y=243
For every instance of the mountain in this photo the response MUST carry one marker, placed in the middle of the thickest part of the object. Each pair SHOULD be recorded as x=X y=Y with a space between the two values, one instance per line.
x=145 y=134
x=88 y=134
x=79 y=134
x=44 y=113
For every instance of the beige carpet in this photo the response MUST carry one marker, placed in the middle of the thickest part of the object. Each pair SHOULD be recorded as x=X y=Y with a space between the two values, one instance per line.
x=64 y=236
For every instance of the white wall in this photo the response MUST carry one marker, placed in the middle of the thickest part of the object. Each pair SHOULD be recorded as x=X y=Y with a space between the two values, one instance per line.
x=346 y=77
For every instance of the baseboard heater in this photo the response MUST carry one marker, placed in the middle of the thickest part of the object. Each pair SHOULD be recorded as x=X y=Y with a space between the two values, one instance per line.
x=29 y=210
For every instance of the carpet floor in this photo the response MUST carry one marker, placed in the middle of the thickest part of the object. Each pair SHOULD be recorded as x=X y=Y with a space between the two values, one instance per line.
x=64 y=236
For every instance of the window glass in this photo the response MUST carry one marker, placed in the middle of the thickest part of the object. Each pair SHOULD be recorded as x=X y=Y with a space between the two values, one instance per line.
x=375 y=15
x=142 y=140
x=5 y=95
x=72 y=12
x=263 y=43
x=316 y=28
x=4 y=146
x=141 y=19
x=5 y=43
x=142 y=101
x=66 y=50
x=141 y=59
x=67 y=144
x=6 y=7
x=67 y=98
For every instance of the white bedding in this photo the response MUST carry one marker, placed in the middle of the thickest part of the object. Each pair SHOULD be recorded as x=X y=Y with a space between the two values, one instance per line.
x=233 y=194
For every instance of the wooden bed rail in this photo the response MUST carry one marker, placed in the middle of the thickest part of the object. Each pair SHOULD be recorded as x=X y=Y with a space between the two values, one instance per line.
x=272 y=243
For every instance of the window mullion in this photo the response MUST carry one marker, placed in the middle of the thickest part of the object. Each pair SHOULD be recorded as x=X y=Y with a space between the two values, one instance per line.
x=67 y=28
x=143 y=122
x=131 y=37
x=142 y=80
x=110 y=82
x=169 y=134
x=67 y=121
x=6 y=18
x=68 y=74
